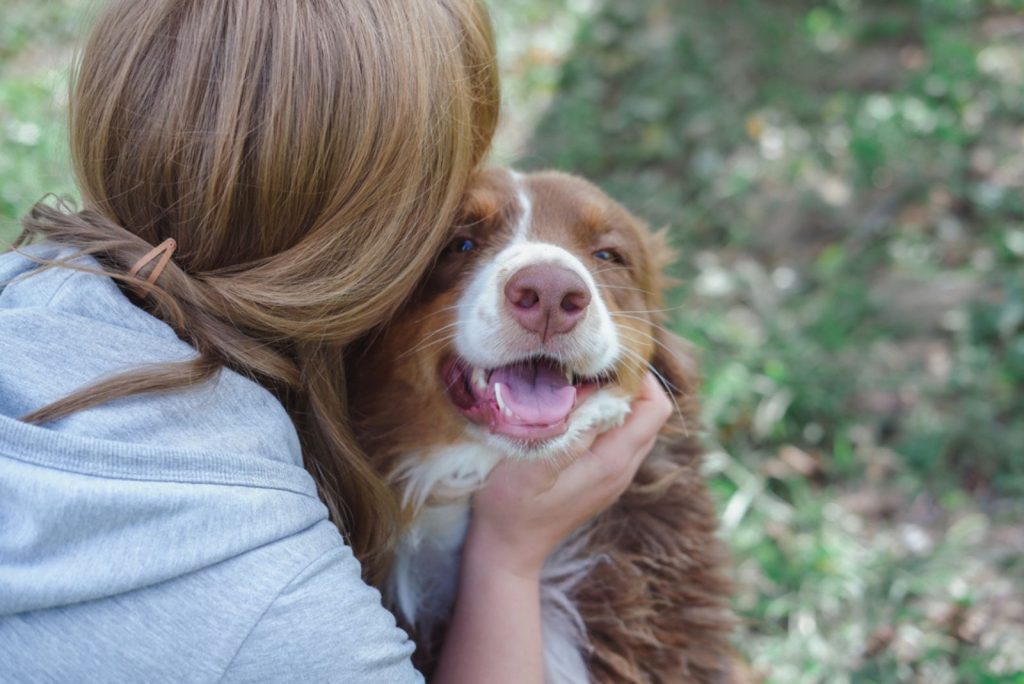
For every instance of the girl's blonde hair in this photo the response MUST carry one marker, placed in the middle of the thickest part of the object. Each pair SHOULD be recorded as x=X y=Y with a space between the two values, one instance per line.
x=308 y=157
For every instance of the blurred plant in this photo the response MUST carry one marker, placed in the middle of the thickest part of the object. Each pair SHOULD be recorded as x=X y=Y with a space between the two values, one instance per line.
x=845 y=183
x=36 y=43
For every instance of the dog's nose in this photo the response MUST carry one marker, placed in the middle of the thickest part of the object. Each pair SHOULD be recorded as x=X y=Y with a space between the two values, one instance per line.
x=547 y=299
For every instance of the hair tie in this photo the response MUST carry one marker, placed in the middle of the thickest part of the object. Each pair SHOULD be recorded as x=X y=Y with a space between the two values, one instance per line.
x=164 y=250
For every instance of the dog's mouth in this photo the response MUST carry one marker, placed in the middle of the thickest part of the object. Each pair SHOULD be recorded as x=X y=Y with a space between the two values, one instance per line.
x=528 y=401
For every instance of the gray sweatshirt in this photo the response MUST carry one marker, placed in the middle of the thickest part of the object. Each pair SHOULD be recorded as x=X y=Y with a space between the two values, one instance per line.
x=173 y=537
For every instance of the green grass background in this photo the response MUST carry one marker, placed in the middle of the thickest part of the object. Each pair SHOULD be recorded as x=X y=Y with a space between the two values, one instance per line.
x=844 y=182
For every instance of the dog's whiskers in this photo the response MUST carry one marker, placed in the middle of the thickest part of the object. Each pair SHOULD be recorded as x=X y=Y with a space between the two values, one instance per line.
x=439 y=331
x=648 y=336
x=426 y=345
x=623 y=287
x=645 y=311
x=670 y=387
x=609 y=269
x=444 y=309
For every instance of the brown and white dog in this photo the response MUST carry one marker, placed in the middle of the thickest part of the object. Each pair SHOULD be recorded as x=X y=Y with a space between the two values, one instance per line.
x=537 y=324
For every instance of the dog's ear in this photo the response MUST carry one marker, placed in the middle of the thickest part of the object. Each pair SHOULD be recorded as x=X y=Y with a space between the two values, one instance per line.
x=673 y=357
x=675 y=364
x=485 y=199
x=674 y=361
x=662 y=255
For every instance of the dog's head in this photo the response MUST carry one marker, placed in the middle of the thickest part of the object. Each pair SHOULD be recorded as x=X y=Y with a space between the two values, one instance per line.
x=538 y=322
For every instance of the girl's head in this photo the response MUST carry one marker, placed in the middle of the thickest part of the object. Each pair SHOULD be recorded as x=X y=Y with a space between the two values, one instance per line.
x=308 y=157
x=305 y=154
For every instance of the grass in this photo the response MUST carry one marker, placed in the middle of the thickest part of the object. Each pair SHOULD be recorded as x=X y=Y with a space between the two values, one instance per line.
x=844 y=181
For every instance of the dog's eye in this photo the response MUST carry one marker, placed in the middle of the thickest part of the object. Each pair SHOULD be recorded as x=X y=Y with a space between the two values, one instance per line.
x=609 y=255
x=462 y=245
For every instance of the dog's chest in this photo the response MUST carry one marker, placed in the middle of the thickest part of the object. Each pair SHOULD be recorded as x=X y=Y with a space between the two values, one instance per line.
x=424 y=578
x=423 y=582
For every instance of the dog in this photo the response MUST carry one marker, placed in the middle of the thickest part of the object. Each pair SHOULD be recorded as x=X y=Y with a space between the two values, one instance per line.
x=537 y=324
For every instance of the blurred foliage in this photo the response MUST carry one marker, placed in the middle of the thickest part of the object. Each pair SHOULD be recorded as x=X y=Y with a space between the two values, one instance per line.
x=36 y=42
x=845 y=185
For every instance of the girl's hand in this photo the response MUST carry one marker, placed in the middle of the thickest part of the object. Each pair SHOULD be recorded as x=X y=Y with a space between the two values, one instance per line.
x=526 y=509
x=523 y=512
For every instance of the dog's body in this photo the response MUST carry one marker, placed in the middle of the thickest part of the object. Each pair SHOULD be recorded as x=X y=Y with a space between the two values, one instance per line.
x=537 y=325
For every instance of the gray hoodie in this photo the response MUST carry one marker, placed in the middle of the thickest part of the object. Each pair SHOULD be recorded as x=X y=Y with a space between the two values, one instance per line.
x=173 y=537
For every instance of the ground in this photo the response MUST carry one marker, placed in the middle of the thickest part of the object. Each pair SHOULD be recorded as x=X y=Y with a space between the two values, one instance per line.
x=844 y=183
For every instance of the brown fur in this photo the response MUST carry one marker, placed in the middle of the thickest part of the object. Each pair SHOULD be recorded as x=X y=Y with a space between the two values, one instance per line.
x=656 y=606
x=657 y=610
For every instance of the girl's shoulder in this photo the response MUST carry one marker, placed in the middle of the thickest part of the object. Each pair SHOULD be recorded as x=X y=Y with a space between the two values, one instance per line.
x=66 y=327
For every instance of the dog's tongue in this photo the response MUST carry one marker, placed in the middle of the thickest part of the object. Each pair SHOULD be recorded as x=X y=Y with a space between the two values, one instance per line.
x=536 y=394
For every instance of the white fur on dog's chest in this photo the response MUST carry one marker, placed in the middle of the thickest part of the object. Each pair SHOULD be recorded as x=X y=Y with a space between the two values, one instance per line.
x=438 y=487
x=424 y=578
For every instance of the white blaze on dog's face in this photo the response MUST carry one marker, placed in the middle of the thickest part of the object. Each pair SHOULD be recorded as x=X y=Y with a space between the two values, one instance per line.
x=537 y=324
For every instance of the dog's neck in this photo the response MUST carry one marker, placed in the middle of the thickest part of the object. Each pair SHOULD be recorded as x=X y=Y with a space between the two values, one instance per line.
x=437 y=490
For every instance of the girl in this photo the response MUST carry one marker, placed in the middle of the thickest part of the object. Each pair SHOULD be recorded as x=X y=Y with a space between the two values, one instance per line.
x=264 y=182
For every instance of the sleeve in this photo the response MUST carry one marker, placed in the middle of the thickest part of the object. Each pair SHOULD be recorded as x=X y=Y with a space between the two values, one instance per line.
x=327 y=625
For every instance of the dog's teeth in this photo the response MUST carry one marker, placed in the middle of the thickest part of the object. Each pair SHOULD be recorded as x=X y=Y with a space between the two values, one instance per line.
x=568 y=376
x=479 y=379
x=501 y=402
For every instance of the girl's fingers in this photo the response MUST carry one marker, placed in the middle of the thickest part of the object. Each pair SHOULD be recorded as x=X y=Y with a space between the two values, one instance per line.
x=544 y=472
x=616 y=455
x=625 y=447
x=606 y=462
x=581 y=447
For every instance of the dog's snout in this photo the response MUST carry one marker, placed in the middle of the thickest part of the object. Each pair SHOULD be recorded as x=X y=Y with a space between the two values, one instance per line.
x=547 y=299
